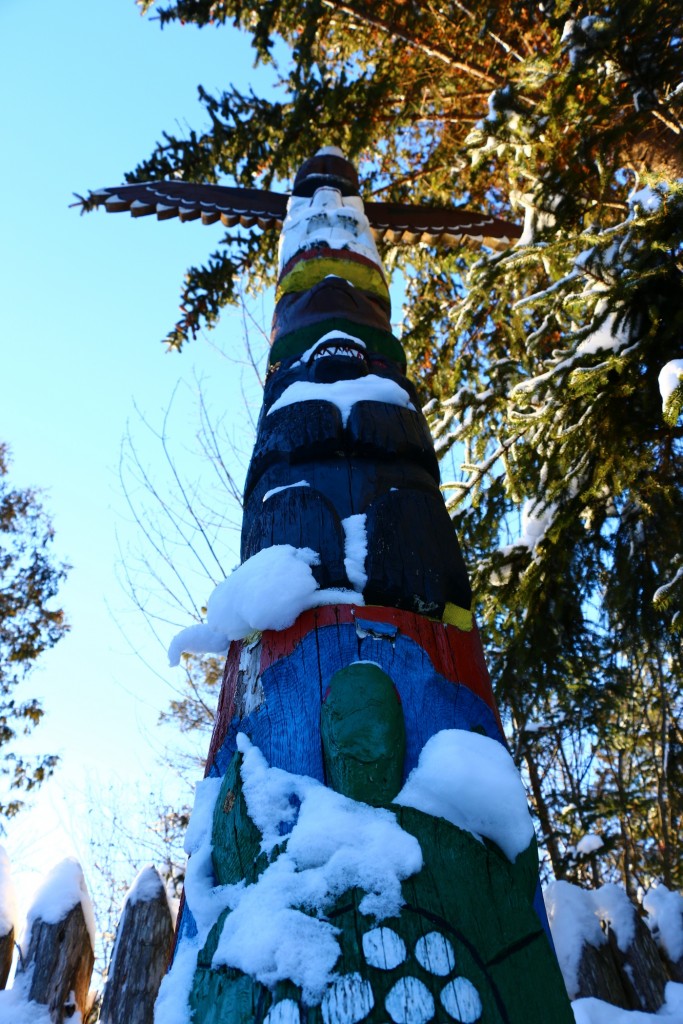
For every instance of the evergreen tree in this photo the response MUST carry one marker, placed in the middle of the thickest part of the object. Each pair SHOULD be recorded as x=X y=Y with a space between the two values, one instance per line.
x=540 y=366
x=28 y=626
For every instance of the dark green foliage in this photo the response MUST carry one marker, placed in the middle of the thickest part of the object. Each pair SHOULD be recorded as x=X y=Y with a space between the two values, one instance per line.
x=28 y=626
x=562 y=113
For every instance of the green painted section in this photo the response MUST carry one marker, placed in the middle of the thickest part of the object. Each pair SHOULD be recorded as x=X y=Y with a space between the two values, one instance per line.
x=468 y=899
x=296 y=342
x=236 y=840
x=363 y=733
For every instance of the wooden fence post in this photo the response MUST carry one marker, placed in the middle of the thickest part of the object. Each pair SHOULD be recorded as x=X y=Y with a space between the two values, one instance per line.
x=144 y=939
x=57 y=961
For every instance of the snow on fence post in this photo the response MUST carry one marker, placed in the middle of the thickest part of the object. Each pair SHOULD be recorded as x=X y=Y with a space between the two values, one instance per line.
x=665 y=914
x=57 y=957
x=361 y=849
x=7 y=918
x=605 y=949
x=144 y=939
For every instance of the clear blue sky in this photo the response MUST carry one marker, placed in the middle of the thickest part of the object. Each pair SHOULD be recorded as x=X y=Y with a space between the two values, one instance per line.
x=87 y=89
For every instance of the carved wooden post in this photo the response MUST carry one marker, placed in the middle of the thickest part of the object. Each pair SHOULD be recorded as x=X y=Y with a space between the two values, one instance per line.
x=326 y=882
x=361 y=848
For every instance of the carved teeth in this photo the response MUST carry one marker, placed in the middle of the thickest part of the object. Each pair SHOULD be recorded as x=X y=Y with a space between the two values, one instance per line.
x=338 y=350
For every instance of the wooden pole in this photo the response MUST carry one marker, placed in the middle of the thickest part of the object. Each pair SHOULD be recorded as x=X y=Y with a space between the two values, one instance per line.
x=328 y=883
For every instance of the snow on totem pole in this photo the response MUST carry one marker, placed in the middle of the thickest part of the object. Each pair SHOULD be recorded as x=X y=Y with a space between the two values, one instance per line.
x=361 y=848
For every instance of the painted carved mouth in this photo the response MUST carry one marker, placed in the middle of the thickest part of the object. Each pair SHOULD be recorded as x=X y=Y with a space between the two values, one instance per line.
x=338 y=347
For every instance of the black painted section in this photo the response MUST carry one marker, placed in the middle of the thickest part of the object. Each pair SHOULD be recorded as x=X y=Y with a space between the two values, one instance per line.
x=381 y=463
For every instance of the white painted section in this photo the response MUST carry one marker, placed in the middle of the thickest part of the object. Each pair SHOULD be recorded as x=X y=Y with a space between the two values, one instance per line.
x=384 y=948
x=410 y=1002
x=461 y=999
x=348 y=1001
x=435 y=953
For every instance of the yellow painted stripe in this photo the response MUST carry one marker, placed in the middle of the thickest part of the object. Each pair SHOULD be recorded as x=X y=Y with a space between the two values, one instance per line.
x=306 y=273
x=454 y=615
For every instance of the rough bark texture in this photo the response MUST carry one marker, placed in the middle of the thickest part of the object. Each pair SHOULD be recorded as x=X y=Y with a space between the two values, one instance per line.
x=143 y=946
x=642 y=972
x=6 y=951
x=599 y=976
x=58 y=962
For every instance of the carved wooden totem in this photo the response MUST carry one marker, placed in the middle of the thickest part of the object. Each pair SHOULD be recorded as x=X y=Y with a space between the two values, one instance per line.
x=360 y=849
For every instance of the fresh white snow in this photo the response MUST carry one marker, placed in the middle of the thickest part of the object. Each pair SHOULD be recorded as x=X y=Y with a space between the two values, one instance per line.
x=63 y=889
x=147 y=886
x=665 y=917
x=285 y=487
x=335 y=844
x=15 y=1008
x=345 y=393
x=471 y=781
x=356 y=549
x=573 y=922
x=268 y=591
x=595 y=1011
x=588 y=844
x=670 y=377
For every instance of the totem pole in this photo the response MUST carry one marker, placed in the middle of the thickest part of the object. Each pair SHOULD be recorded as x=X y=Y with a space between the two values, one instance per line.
x=360 y=849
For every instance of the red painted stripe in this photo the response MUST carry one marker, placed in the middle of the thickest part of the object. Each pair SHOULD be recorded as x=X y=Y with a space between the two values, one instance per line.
x=455 y=654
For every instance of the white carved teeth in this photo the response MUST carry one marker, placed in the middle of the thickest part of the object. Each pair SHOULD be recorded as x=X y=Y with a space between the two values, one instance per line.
x=338 y=350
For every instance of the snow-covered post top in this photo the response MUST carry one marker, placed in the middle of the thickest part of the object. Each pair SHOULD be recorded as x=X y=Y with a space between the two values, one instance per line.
x=63 y=889
x=57 y=947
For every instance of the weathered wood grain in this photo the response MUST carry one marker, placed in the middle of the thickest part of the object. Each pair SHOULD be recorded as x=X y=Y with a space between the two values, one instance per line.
x=57 y=962
x=6 y=953
x=643 y=974
x=599 y=976
x=144 y=939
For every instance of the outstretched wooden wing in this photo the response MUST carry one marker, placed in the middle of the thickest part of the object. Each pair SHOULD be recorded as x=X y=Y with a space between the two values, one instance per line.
x=395 y=222
x=232 y=206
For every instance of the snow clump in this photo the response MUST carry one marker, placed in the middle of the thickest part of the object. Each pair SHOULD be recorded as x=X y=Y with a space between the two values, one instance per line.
x=345 y=393
x=268 y=591
x=471 y=781
x=665 y=913
x=275 y=930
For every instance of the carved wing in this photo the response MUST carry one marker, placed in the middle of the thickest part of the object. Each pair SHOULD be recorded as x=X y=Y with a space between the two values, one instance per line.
x=395 y=222
x=167 y=199
x=446 y=225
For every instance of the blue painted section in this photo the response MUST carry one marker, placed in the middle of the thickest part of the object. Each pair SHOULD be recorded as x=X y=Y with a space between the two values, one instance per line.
x=286 y=727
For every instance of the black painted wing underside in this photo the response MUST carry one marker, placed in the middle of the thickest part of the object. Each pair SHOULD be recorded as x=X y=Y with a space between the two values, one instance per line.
x=251 y=207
